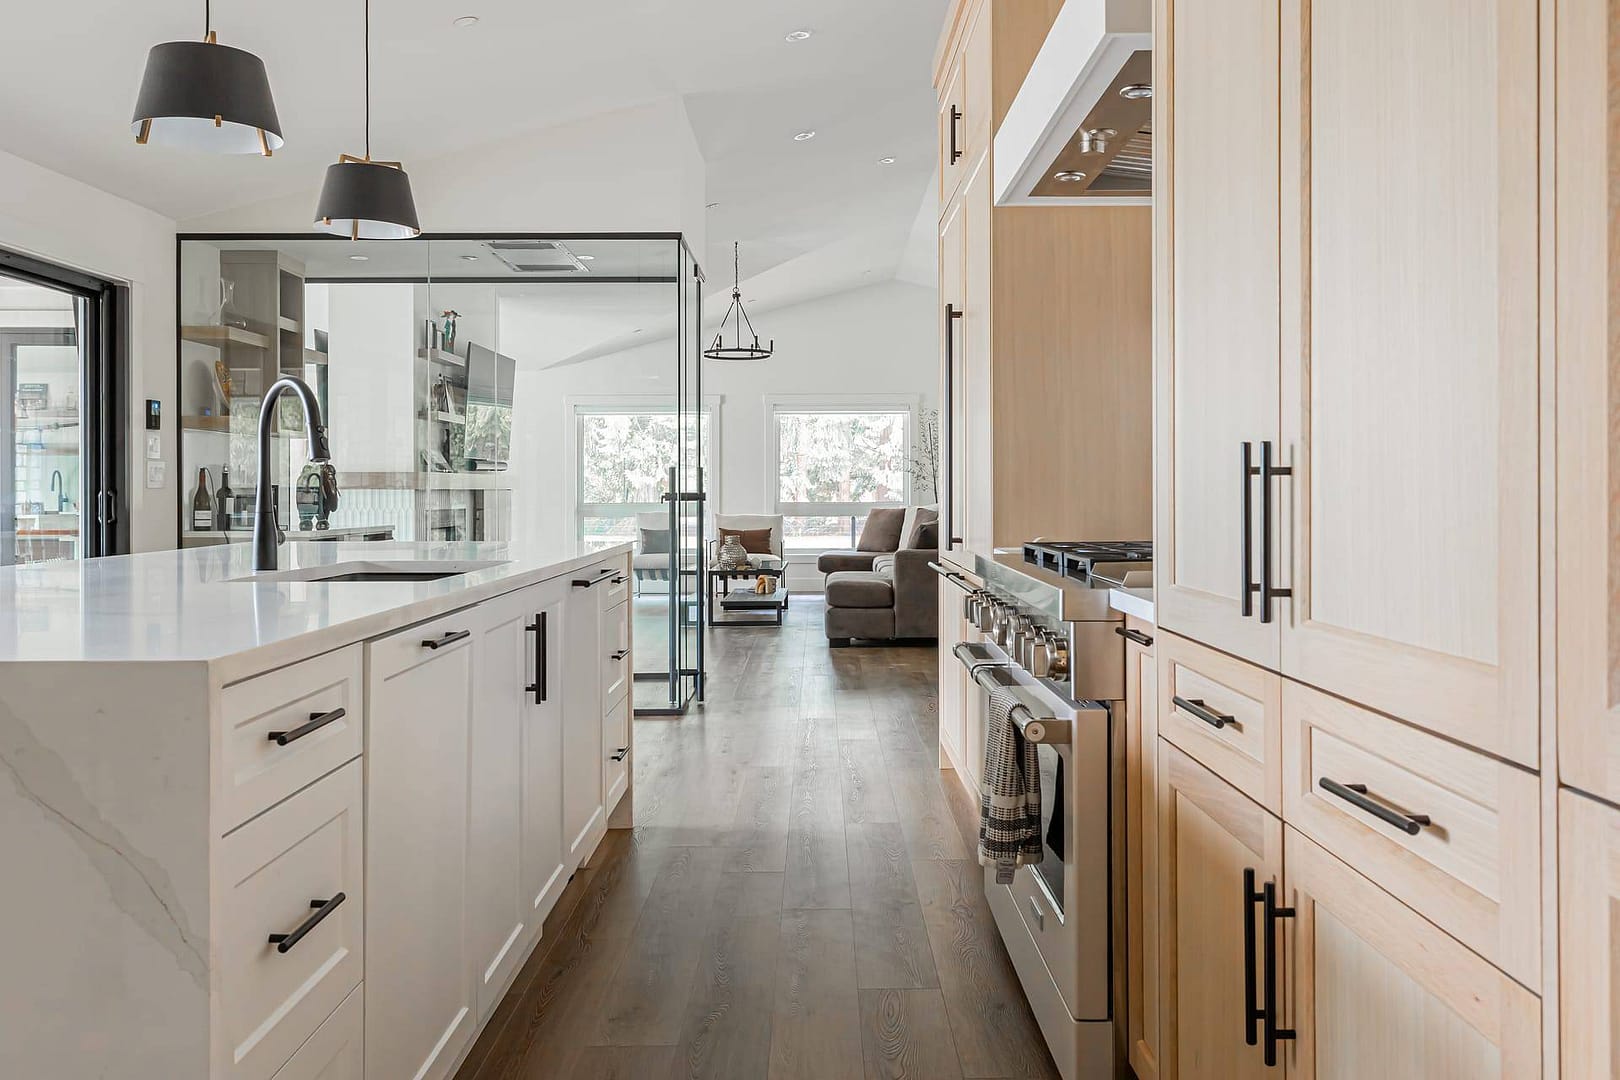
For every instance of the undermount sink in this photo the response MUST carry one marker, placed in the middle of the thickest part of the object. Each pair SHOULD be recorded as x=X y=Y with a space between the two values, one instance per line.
x=401 y=570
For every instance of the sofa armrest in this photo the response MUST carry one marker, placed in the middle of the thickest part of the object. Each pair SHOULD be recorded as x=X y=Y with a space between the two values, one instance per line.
x=830 y=562
x=916 y=594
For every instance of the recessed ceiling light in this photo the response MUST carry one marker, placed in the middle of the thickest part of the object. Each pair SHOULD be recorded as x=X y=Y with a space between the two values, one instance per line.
x=804 y=136
x=358 y=258
x=1136 y=91
x=885 y=161
x=1068 y=177
x=469 y=258
x=800 y=35
x=465 y=21
x=586 y=258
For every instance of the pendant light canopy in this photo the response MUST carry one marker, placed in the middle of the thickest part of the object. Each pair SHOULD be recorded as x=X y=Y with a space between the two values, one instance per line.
x=364 y=199
x=735 y=313
x=201 y=95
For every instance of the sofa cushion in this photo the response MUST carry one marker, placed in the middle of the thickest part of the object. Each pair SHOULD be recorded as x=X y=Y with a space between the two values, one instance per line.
x=829 y=562
x=918 y=536
x=882 y=530
x=859 y=589
x=654 y=541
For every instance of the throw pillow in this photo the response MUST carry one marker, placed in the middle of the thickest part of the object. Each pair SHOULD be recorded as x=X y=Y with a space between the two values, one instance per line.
x=926 y=536
x=655 y=541
x=925 y=518
x=754 y=541
x=882 y=530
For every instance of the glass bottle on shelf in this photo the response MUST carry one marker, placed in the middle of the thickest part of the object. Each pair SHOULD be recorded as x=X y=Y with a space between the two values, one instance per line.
x=202 y=504
x=222 y=500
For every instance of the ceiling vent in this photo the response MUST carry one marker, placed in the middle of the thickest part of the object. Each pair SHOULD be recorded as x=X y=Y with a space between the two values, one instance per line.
x=536 y=257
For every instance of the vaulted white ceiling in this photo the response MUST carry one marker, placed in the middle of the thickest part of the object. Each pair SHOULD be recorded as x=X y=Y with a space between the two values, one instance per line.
x=813 y=217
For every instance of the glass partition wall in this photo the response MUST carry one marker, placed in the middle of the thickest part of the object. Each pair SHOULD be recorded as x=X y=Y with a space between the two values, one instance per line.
x=542 y=390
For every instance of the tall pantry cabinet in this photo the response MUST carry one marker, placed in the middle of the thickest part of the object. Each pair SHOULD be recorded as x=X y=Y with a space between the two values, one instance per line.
x=1351 y=323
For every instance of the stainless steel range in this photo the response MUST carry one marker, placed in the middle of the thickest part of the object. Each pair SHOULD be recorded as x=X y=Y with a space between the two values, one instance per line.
x=1037 y=623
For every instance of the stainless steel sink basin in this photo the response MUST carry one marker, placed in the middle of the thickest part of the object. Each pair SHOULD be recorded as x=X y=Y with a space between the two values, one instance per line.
x=401 y=570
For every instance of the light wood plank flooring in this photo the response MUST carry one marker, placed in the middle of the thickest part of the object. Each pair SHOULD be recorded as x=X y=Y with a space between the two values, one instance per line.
x=799 y=898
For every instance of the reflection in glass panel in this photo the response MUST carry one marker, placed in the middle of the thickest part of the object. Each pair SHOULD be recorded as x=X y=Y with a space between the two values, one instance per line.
x=41 y=369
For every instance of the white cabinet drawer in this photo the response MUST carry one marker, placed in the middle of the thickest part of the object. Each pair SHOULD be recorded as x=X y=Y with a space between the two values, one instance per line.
x=615 y=751
x=337 y=1049
x=615 y=653
x=272 y=873
x=1448 y=831
x=285 y=730
x=616 y=589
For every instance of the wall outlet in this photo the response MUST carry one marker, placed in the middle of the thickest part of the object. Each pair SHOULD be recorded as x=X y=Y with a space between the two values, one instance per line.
x=154 y=446
x=156 y=472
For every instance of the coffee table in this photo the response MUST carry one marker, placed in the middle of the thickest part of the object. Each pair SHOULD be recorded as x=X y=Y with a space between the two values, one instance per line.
x=748 y=603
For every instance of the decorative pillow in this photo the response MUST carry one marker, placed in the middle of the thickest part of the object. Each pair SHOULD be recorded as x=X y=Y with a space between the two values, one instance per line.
x=882 y=530
x=925 y=518
x=926 y=536
x=754 y=541
x=654 y=541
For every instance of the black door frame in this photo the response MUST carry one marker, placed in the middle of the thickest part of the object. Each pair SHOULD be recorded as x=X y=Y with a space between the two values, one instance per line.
x=103 y=317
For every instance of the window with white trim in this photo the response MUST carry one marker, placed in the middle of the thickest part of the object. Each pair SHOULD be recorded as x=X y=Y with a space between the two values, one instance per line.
x=833 y=463
x=623 y=454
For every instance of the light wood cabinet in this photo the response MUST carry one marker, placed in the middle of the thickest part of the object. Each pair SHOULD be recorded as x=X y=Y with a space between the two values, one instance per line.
x=1378 y=991
x=422 y=1008
x=1224 y=712
x=1587 y=388
x=954 y=685
x=1588 y=896
x=1410 y=352
x=1217 y=150
x=1141 y=849
x=953 y=403
x=1215 y=847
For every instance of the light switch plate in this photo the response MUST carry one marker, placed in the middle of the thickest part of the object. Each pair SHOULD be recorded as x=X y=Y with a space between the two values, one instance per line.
x=154 y=446
x=155 y=471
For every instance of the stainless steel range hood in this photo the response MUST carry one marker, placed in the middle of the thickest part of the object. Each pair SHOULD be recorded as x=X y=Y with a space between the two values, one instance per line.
x=1080 y=131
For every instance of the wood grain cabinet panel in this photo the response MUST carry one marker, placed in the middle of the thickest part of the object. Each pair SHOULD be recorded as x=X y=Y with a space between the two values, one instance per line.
x=1410 y=361
x=1376 y=990
x=1209 y=835
x=1588 y=396
x=1141 y=851
x=1474 y=868
x=1226 y=713
x=1589 y=950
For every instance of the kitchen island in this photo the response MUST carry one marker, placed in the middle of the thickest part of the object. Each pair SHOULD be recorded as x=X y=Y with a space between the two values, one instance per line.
x=278 y=826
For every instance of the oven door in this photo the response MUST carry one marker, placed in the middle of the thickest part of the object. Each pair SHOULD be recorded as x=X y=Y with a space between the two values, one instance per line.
x=1062 y=903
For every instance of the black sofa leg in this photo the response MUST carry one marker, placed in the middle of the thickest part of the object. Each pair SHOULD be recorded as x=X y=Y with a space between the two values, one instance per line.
x=838 y=643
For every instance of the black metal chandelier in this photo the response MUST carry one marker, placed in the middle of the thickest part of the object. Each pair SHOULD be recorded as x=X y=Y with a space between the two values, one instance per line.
x=721 y=351
x=201 y=95
x=364 y=199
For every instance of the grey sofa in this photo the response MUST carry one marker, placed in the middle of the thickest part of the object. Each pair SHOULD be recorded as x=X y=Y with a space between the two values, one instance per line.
x=897 y=598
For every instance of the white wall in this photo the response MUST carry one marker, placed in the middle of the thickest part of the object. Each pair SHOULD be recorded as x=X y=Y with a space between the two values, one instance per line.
x=52 y=217
x=881 y=340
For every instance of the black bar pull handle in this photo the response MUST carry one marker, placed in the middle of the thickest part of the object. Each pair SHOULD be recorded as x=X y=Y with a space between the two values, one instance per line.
x=620 y=655
x=1268 y=591
x=584 y=583
x=1273 y=914
x=1356 y=795
x=1196 y=707
x=1252 y=1012
x=538 y=687
x=618 y=579
x=322 y=908
x=1133 y=635
x=1249 y=586
x=621 y=753
x=956 y=118
x=446 y=639
x=317 y=720
x=948 y=524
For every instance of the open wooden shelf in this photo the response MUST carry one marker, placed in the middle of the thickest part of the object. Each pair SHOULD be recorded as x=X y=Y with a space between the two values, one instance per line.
x=224 y=335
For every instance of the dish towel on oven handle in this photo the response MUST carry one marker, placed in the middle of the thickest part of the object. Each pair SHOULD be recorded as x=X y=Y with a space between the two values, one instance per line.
x=1009 y=793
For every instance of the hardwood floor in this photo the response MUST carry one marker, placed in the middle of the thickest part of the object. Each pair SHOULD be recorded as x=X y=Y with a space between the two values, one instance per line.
x=799 y=898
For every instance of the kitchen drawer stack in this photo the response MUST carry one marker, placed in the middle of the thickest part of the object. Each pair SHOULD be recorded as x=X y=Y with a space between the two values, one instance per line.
x=1387 y=531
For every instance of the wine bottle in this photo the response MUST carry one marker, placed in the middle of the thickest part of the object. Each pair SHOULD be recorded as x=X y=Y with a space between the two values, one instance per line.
x=222 y=499
x=202 y=504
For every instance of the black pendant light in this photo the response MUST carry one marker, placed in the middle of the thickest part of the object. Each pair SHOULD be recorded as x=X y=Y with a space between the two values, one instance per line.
x=201 y=95
x=739 y=351
x=364 y=199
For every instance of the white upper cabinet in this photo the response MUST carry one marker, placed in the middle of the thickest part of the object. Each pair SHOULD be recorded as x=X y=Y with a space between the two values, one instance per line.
x=1409 y=345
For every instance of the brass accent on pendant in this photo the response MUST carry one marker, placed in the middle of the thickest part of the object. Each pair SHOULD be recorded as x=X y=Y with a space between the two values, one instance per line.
x=344 y=159
x=145 y=132
x=264 y=144
x=219 y=121
x=211 y=39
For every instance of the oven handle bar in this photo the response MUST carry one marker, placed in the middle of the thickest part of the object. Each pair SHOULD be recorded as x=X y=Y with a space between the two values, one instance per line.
x=1036 y=724
x=952 y=576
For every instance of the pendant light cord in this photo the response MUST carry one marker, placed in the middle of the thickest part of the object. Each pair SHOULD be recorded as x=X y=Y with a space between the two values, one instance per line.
x=368 y=80
x=208 y=18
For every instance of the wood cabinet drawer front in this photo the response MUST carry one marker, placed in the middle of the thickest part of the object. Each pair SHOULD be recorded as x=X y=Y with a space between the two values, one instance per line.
x=615 y=654
x=1224 y=713
x=257 y=771
x=272 y=872
x=337 y=1049
x=1473 y=869
x=616 y=589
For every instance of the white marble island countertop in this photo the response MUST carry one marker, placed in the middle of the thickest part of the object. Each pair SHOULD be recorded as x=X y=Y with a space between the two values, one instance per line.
x=187 y=606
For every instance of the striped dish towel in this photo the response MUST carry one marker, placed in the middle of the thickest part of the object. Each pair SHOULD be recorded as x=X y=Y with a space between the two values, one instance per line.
x=1009 y=793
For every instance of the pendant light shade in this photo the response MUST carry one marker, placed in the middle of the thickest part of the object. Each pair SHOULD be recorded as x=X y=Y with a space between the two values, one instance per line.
x=740 y=349
x=201 y=95
x=364 y=199
x=367 y=200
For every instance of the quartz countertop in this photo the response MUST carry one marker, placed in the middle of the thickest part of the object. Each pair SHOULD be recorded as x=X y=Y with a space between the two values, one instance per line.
x=183 y=605
x=1137 y=602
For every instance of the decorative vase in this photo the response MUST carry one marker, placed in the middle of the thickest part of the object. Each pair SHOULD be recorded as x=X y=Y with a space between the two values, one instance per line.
x=732 y=555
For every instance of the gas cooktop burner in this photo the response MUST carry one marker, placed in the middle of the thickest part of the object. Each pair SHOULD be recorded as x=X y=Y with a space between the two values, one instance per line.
x=1078 y=559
